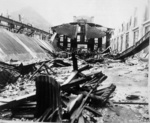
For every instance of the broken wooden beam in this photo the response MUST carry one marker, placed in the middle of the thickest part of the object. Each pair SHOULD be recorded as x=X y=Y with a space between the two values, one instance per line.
x=8 y=121
x=80 y=109
x=131 y=103
x=91 y=96
x=74 y=83
x=48 y=115
x=74 y=74
x=101 y=90
x=25 y=107
x=29 y=103
x=107 y=93
x=28 y=116
x=94 y=111
x=84 y=68
x=74 y=104
x=94 y=73
x=71 y=77
x=49 y=68
x=77 y=82
x=37 y=70
x=17 y=101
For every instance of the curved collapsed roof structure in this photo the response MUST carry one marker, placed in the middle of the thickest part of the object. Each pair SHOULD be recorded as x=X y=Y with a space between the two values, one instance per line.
x=19 y=48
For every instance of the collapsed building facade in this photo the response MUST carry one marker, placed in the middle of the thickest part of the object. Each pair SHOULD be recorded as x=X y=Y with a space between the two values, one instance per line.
x=84 y=35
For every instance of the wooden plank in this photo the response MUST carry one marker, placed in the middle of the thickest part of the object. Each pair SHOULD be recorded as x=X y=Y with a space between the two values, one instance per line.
x=131 y=103
x=26 y=107
x=71 y=77
x=29 y=116
x=17 y=101
x=74 y=82
x=8 y=121
x=84 y=68
x=94 y=111
x=29 y=103
x=37 y=70
x=82 y=105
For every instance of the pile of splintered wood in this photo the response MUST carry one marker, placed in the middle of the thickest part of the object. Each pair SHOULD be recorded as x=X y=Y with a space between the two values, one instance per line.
x=78 y=93
x=87 y=95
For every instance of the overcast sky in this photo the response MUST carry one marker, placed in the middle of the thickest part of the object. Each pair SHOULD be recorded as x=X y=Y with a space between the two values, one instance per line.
x=108 y=13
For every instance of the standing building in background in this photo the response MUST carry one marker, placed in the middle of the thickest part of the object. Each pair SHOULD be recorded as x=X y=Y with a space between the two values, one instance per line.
x=132 y=30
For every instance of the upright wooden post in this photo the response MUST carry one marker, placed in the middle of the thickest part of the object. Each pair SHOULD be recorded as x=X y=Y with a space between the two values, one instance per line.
x=75 y=63
x=74 y=43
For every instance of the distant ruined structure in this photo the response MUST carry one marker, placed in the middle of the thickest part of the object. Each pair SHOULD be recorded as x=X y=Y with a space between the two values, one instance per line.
x=23 y=28
x=82 y=41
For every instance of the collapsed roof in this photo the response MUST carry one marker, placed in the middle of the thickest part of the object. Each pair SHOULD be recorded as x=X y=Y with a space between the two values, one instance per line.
x=92 y=30
x=19 y=48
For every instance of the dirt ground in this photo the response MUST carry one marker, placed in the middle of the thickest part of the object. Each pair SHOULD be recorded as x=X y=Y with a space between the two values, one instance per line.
x=131 y=78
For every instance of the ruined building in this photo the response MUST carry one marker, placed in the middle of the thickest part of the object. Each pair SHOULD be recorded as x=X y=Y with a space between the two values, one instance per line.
x=87 y=37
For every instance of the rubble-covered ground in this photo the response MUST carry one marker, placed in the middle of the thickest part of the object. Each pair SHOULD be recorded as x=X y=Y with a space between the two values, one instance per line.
x=130 y=77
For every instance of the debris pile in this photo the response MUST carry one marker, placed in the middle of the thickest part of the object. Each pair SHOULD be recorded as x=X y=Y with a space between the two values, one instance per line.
x=80 y=96
x=65 y=90
x=38 y=96
x=78 y=93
